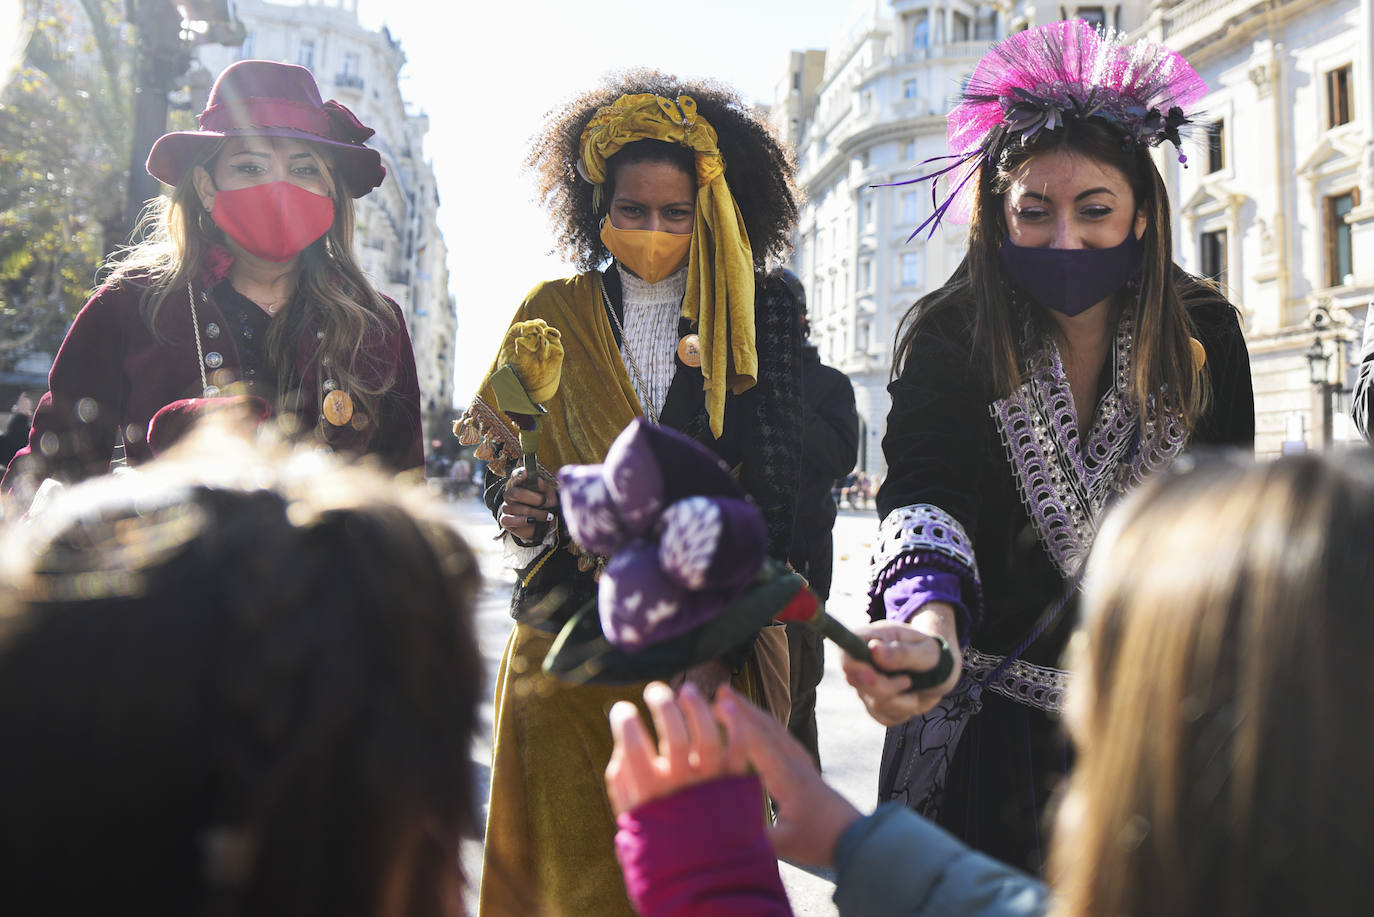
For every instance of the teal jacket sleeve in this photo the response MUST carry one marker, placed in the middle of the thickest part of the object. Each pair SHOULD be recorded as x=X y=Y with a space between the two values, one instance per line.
x=894 y=862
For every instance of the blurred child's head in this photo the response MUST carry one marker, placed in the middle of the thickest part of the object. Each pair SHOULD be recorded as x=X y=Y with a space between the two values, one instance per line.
x=1222 y=697
x=239 y=681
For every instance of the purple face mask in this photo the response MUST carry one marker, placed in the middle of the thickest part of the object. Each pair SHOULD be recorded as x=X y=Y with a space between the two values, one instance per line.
x=1070 y=280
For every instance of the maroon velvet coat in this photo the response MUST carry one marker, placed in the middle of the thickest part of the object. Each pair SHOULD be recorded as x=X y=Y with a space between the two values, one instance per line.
x=112 y=374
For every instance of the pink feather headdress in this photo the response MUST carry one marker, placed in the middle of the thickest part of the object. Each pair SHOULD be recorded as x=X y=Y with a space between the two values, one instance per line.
x=1037 y=79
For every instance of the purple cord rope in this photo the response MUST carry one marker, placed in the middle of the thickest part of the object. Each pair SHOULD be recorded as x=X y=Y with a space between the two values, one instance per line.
x=1035 y=809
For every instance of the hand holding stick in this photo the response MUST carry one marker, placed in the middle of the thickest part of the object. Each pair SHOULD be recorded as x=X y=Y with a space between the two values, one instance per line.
x=805 y=609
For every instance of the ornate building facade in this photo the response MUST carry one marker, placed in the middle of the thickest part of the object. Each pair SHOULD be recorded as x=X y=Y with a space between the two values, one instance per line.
x=1282 y=220
x=862 y=115
x=1278 y=206
x=400 y=246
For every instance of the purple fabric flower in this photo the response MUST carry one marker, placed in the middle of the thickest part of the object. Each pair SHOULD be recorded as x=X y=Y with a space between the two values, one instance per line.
x=638 y=604
x=682 y=537
x=717 y=540
x=634 y=478
x=588 y=510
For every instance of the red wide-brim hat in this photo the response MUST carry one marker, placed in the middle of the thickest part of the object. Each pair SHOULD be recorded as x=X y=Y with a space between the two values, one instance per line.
x=262 y=98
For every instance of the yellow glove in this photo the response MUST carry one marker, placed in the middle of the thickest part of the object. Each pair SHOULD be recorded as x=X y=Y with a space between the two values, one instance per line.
x=535 y=350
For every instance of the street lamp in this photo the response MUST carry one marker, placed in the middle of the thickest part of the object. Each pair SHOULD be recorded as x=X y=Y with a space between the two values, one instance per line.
x=164 y=54
x=1318 y=363
x=1319 y=374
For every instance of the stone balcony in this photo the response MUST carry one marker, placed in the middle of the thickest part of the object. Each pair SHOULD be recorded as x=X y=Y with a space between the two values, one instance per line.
x=1195 y=23
x=951 y=50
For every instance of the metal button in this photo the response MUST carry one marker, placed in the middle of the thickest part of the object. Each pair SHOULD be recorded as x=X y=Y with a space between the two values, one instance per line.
x=214 y=359
x=248 y=334
x=211 y=391
x=212 y=331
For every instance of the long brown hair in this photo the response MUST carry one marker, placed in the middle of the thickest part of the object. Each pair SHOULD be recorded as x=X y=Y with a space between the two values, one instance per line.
x=332 y=296
x=1221 y=715
x=1163 y=357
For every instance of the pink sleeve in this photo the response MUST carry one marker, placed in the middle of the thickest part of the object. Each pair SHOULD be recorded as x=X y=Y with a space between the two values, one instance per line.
x=702 y=851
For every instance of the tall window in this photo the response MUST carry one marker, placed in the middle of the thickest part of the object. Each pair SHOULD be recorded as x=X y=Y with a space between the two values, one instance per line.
x=909 y=151
x=911 y=269
x=920 y=35
x=911 y=89
x=1212 y=254
x=911 y=206
x=246 y=49
x=1216 y=146
x=1095 y=16
x=352 y=63
x=866 y=210
x=1339 y=263
x=306 y=55
x=1338 y=109
x=866 y=274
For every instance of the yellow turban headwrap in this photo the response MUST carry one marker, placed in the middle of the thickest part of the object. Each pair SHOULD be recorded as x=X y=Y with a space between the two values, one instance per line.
x=720 y=263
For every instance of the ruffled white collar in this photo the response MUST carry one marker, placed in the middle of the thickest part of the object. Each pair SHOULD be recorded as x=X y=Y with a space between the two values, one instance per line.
x=670 y=288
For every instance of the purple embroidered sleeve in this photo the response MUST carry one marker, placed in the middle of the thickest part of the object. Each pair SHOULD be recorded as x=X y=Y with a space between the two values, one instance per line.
x=906 y=596
x=926 y=543
x=917 y=584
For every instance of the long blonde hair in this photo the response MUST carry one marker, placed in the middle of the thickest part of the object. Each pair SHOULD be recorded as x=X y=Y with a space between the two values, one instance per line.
x=333 y=296
x=1221 y=715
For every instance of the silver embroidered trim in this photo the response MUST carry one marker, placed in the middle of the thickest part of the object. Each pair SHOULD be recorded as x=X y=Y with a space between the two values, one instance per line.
x=920 y=527
x=1032 y=685
x=1065 y=487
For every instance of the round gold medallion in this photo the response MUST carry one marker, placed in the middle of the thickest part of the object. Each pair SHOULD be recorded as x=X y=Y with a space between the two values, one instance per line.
x=1199 y=354
x=337 y=408
x=689 y=350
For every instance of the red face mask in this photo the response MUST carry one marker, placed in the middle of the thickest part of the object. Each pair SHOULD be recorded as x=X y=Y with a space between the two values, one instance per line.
x=275 y=221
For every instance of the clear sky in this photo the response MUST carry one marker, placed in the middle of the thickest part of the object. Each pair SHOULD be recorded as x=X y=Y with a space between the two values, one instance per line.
x=485 y=71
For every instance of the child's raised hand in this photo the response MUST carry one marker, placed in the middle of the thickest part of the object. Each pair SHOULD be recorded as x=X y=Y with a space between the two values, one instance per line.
x=691 y=748
x=810 y=815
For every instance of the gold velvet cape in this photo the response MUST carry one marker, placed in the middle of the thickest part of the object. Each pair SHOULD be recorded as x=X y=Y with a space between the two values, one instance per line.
x=595 y=399
x=550 y=829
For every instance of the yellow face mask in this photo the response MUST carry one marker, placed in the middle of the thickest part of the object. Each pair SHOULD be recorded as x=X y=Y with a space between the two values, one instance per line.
x=651 y=253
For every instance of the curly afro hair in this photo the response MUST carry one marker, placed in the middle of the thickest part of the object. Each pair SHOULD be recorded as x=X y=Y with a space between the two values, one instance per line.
x=758 y=168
